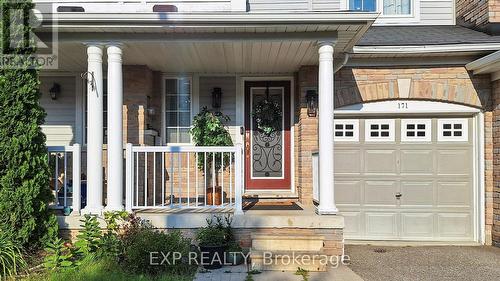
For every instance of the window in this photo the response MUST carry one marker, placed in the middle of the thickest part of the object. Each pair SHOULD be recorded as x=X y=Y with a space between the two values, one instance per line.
x=453 y=130
x=416 y=130
x=177 y=110
x=379 y=130
x=346 y=130
x=397 y=7
x=363 y=5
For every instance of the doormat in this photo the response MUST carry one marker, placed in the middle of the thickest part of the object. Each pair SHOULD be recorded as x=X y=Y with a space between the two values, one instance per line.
x=272 y=206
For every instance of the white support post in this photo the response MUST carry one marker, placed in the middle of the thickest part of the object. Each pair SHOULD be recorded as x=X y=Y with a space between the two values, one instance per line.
x=94 y=130
x=325 y=129
x=77 y=202
x=238 y=180
x=115 y=129
x=129 y=181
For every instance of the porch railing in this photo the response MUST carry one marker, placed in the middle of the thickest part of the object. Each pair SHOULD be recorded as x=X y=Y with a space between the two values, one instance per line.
x=169 y=177
x=65 y=182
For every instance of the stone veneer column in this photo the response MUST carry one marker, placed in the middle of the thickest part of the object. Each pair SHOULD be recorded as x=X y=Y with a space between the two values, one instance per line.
x=94 y=130
x=325 y=129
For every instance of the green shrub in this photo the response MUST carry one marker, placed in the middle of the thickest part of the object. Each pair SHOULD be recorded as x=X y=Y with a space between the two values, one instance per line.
x=24 y=171
x=11 y=258
x=59 y=255
x=140 y=245
x=89 y=239
x=211 y=236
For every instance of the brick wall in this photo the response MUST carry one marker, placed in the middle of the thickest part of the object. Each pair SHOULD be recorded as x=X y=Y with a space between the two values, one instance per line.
x=446 y=84
x=478 y=14
x=493 y=214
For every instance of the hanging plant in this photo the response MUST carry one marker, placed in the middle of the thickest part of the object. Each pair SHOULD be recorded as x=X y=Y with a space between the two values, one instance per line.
x=267 y=114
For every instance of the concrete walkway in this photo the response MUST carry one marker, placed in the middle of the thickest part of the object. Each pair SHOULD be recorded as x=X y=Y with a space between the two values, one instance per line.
x=239 y=273
x=436 y=263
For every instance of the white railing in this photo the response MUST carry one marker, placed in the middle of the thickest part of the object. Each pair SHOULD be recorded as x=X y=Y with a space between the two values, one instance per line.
x=65 y=182
x=315 y=176
x=168 y=177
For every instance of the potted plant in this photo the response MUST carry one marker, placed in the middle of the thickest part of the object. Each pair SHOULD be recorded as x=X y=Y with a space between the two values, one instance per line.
x=209 y=130
x=234 y=253
x=211 y=241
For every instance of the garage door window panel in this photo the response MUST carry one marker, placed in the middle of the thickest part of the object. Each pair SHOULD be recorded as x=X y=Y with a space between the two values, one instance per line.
x=379 y=130
x=453 y=130
x=416 y=130
x=346 y=130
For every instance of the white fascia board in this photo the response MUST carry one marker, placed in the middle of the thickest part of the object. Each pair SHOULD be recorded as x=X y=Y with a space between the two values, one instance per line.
x=485 y=64
x=127 y=19
x=426 y=48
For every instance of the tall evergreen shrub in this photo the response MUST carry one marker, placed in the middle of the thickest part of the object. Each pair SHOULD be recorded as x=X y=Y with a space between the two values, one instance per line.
x=24 y=172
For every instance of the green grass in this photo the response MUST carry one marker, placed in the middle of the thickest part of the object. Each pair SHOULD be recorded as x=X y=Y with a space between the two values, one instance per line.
x=98 y=270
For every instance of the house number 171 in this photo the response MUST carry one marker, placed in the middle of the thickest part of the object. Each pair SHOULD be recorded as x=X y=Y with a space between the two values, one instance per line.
x=402 y=105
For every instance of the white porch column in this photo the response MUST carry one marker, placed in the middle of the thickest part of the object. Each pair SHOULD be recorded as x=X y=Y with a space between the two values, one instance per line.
x=115 y=129
x=94 y=130
x=325 y=129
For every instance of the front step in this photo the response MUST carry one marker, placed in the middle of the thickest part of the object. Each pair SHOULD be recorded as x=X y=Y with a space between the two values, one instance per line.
x=271 y=243
x=287 y=252
x=287 y=261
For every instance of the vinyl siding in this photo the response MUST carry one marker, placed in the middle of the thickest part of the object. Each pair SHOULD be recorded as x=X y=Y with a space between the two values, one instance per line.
x=228 y=86
x=294 y=5
x=437 y=12
x=59 y=126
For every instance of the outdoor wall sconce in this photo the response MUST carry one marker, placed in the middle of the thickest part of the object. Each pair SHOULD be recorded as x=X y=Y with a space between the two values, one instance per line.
x=55 y=91
x=216 y=98
x=312 y=103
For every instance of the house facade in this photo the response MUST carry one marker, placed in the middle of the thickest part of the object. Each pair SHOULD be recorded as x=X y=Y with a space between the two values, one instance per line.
x=385 y=113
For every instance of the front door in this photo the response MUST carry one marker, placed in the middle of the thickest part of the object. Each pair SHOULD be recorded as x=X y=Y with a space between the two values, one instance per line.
x=267 y=144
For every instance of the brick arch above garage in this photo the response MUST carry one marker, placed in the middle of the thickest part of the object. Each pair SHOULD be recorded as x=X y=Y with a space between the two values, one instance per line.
x=445 y=84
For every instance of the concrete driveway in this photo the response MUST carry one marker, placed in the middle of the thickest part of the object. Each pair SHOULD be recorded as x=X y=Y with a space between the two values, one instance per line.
x=434 y=263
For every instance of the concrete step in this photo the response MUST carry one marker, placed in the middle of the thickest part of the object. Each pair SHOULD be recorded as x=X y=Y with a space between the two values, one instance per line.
x=287 y=261
x=272 y=243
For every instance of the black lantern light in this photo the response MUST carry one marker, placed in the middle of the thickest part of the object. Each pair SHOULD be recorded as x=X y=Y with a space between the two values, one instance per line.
x=217 y=98
x=312 y=103
x=55 y=91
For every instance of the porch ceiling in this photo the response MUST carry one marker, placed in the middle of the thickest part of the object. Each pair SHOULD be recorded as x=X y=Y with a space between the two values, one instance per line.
x=219 y=57
x=211 y=43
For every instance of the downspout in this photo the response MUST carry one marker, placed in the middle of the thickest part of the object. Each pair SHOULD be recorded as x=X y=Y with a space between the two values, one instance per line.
x=337 y=67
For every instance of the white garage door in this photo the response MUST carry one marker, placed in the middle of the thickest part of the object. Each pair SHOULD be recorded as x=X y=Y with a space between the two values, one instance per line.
x=405 y=178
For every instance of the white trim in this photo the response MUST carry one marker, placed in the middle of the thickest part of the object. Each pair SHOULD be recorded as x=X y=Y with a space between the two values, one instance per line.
x=426 y=48
x=163 y=130
x=481 y=177
x=344 y=138
x=405 y=107
x=427 y=130
x=463 y=122
x=392 y=130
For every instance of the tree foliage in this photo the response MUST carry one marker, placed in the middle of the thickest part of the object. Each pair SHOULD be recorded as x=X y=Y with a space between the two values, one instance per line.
x=24 y=172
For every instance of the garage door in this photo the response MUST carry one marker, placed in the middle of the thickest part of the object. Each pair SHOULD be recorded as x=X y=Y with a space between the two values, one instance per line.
x=404 y=178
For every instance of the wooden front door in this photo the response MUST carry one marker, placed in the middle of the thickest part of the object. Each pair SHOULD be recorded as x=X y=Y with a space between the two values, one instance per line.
x=267 y=155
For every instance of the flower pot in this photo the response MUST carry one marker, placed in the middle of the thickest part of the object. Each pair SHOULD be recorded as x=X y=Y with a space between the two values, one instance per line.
x=212 y=257
x=217 y=193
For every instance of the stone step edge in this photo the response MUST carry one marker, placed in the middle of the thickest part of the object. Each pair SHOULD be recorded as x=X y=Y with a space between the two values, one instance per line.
x=286 y=237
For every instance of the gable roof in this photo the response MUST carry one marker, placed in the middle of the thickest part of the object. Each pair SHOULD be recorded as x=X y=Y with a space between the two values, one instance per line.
x=423 y=35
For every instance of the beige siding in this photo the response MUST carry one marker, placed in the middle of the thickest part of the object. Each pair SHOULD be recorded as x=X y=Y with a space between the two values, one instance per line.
x=59 y=125
x=293 y=5
x=228 y=86
x=437 y=12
